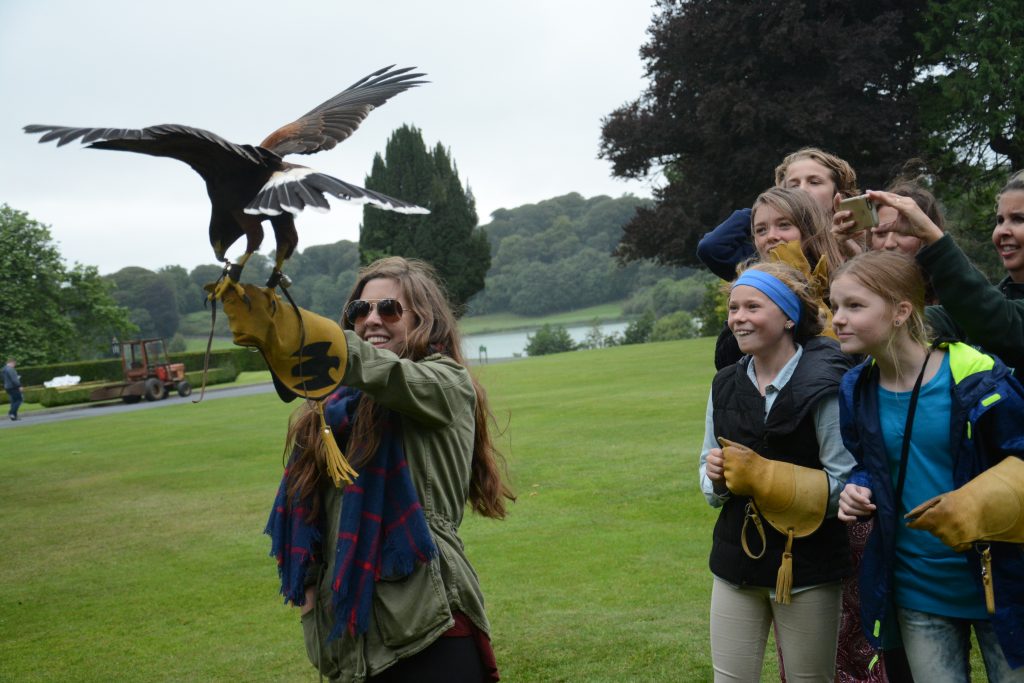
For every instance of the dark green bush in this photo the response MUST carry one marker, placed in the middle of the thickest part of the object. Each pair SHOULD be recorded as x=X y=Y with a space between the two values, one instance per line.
x=549 y=340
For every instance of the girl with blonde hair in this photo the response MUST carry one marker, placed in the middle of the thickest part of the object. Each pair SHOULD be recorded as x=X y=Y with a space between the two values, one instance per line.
x=937 y=431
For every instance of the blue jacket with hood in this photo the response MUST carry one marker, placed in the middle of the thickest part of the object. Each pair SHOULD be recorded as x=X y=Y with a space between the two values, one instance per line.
x=986 y=425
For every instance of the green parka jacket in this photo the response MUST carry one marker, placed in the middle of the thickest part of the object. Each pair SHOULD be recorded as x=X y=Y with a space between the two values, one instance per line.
x=973 y=310
x=436 y=400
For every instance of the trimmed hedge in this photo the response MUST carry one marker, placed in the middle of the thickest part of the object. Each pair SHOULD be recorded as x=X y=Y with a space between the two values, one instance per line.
x=64 y=396
x=89 y=370
x=30 y=394
x=79 y=393
x=243 y=359
x=213 y=376
x=109 y=370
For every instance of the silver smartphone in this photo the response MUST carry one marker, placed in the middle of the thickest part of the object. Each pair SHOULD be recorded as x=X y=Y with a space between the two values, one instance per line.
x=863 y=211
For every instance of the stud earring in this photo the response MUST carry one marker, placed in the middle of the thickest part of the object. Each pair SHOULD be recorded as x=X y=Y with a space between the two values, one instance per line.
x=897 y=323
x=789 y=325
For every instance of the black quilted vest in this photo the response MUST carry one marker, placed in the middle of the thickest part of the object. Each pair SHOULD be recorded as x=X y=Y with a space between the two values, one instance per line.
x=787 y=435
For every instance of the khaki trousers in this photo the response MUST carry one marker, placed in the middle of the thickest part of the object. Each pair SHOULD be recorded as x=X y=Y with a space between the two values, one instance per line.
x=806 y=630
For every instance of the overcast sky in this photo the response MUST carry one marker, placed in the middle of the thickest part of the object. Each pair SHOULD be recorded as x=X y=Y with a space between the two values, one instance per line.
x=517 y=93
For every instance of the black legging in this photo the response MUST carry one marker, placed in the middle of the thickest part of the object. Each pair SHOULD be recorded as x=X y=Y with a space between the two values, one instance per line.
x=446 y=660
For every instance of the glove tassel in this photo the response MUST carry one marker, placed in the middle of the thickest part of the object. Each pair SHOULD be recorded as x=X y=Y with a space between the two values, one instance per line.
x=784 y=580
x=337 y=466
x=986 y=577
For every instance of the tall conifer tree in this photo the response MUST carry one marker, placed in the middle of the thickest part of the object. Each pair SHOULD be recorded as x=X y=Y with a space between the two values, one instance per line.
x=448 y=237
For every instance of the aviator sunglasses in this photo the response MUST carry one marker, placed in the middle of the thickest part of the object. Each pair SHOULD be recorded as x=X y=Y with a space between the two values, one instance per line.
x=389 y=310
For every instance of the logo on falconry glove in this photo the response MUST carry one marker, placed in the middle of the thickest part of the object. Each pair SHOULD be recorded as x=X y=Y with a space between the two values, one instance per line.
x=306 y=352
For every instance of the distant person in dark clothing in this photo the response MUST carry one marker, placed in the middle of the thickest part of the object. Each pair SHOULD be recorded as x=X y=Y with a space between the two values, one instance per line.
x=12 y=385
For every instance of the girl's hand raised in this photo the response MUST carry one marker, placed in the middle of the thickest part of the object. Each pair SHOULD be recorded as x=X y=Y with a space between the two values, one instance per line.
x=917 y=223
x=854 y=502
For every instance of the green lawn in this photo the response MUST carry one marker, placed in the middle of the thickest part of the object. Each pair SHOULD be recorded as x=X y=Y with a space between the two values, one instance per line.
x=502 y=322
x=133 y=545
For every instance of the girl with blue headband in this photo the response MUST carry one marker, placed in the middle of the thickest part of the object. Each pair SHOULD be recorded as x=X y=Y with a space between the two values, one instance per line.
x=774 y=463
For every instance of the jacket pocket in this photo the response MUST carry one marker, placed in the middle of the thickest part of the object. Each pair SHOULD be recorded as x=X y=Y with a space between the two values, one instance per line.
x=408 y=608
x=322 y=655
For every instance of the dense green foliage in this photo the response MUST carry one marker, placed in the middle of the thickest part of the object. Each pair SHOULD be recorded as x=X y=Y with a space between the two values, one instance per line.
x=554 y=256
x=49 y=312
x=549 y=339
x=970 y=90
x=448 y=237
x=152 y=300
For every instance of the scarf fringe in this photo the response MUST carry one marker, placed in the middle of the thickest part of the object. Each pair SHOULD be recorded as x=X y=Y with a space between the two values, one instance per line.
x=382 y=529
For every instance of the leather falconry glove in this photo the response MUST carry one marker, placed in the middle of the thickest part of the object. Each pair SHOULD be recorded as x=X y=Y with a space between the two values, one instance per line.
x=792 y=498
x=792 y=254
x=305 y=352
x=989 y=507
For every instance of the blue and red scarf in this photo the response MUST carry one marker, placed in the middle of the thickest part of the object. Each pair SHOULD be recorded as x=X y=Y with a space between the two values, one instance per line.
x=382 y=530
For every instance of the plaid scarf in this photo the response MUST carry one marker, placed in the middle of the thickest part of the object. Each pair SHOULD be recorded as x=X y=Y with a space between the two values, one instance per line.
x=382 y=530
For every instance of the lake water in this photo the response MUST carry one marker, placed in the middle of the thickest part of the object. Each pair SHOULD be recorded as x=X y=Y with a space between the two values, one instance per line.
x=508 y=344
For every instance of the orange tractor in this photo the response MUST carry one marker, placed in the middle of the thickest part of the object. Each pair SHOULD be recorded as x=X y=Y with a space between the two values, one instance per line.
x=148 y=374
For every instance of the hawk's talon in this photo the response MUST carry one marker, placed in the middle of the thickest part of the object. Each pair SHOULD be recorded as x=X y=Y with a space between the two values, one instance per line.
x=222 y=287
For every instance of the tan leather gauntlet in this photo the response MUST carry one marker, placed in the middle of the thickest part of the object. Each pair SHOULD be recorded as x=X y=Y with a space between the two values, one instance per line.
x=989 y=507
x=792 y=498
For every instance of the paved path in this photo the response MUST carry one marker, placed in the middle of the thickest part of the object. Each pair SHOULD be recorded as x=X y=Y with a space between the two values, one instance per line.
x=84 y=410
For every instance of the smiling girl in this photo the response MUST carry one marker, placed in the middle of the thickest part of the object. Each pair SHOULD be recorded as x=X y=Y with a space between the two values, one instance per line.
x=386 y=589
x=777 y=407
x=926 y=423
x=820 y=174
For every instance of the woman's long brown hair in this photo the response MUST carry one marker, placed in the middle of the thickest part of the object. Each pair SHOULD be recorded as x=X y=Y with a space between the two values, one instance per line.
x=435 y=331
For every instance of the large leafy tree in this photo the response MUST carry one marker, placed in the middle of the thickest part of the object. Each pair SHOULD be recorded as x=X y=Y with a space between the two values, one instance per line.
x=734 y=87
x=970 y=96
x=48 y=312
x=971 y=90
x=448 y=238
x=150 y=300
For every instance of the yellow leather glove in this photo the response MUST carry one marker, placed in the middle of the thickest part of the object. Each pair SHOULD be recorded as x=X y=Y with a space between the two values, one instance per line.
x=788 y=495
x=989 y=507
x=263 y=321
x=792 y=498
x=791 y=253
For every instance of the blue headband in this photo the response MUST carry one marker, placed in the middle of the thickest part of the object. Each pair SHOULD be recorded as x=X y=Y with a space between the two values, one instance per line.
x=775 y=289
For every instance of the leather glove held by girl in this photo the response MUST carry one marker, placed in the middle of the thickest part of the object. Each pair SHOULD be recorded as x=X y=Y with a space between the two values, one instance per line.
x=788 y=496
x=306 y=353
x=989 y=507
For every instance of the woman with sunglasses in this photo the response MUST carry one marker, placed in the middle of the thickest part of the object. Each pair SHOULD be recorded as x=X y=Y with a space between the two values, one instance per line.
x=389 y=592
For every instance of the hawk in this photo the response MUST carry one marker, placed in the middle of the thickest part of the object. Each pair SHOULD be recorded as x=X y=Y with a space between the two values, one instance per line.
x=249 y=184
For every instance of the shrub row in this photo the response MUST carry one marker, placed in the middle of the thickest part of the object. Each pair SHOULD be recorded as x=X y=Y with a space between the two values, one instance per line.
x=30 y=394
x=110 y=369
x=79 y=393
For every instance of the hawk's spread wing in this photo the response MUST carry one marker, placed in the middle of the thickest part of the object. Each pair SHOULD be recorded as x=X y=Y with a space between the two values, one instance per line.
x=206 y=152
x=294 y=188
x=328 y=124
